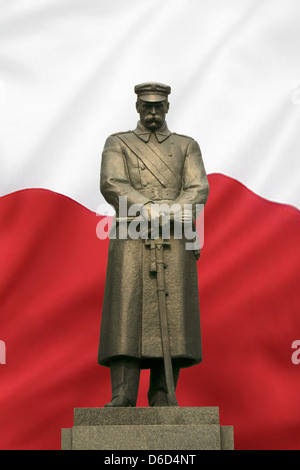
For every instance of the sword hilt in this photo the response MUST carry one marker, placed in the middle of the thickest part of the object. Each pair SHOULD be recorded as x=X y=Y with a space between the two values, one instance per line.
x=153 y=244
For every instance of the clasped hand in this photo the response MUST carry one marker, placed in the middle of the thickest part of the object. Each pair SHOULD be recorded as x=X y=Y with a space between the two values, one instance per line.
x=161 y=217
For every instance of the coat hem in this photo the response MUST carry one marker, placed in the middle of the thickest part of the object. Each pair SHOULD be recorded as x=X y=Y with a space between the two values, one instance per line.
x=147 y=362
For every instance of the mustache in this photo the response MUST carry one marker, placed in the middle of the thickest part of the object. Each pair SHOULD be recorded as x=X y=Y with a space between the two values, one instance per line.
x=155 y=118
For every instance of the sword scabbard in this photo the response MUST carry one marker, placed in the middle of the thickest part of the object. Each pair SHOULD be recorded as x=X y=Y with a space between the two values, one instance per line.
x=157 y=250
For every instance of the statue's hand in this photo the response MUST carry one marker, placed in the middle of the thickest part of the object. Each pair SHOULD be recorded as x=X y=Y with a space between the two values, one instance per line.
x=184 y=217
x=145 y=211
x=156 y=218
x=151 y=213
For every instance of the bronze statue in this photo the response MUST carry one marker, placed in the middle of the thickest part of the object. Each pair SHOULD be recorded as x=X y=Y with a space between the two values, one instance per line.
x=150 y=315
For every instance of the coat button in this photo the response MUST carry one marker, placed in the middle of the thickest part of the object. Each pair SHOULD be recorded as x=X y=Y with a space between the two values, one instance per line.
x=170 y=154
x=145 y=184
x=142 y=167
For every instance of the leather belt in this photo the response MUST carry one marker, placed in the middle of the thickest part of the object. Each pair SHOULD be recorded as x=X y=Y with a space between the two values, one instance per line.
x=160 y=193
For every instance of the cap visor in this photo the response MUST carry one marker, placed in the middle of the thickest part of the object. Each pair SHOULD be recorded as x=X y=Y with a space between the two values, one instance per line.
x=152 y=98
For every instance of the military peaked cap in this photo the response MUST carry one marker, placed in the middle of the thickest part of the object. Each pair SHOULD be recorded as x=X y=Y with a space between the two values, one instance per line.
x=152 y=91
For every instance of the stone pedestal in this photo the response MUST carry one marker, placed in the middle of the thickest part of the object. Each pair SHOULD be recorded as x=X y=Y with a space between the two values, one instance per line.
x=157 y=428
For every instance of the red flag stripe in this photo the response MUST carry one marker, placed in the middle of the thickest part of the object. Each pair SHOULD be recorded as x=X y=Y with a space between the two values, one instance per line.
x=51 y=288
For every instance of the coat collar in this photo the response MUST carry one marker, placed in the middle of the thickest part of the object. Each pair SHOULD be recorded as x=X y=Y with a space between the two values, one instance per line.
x=161 y=134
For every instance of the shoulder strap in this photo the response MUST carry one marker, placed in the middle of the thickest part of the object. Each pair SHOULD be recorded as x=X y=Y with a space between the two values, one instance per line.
x=151 y=156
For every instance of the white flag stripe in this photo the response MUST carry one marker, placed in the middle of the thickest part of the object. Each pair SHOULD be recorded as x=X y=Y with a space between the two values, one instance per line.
x=68 y=68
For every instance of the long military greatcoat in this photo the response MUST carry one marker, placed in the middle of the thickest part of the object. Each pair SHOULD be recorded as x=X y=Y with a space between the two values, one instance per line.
x=130 y=317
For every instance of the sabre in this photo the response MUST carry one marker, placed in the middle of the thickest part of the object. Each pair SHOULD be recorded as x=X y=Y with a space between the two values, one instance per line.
x=126 y=219
x=158 y=266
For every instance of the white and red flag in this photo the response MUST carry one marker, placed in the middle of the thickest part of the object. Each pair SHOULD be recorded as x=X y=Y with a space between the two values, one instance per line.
x=67 y=73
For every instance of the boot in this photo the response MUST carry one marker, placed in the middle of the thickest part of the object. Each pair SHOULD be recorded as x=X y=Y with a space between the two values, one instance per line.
x=118 y=401
x=125 y=376
x=158 y=392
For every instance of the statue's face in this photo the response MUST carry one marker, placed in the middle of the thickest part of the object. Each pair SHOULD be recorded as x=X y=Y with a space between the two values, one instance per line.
x=152 y=115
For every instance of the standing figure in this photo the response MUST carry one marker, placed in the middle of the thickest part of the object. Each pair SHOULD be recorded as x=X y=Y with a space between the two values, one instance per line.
x=150 y=315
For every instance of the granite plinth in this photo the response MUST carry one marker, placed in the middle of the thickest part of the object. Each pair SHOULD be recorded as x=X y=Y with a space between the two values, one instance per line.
x=157 y=428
